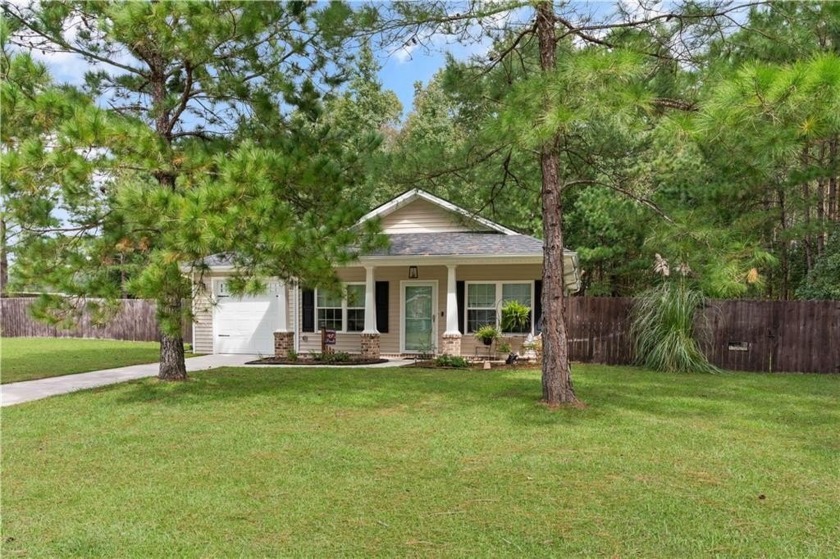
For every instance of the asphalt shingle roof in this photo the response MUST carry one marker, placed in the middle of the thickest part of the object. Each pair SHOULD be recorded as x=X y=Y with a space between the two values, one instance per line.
x=445 y=244
x=441 y=244
x=218 y=260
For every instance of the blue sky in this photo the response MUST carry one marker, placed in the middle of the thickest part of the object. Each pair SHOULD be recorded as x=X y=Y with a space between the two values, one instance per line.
x=399 y=74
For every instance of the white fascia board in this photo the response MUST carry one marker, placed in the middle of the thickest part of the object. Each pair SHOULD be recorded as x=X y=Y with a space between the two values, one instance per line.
x=220 y=268
x=411 y=195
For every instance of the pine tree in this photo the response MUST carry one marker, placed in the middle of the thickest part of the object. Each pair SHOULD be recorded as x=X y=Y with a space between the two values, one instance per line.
x=203 y=140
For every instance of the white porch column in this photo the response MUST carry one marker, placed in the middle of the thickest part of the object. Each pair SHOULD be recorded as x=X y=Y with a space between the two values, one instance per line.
x=370 y=302
x=284 y=340
x=451 y=303
x=282 y=312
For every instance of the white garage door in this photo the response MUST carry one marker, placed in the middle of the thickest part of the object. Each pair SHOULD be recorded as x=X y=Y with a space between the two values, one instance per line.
x=245 y=324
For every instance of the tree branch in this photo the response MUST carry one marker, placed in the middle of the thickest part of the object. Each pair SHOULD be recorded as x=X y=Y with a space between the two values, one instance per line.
x=65 y=46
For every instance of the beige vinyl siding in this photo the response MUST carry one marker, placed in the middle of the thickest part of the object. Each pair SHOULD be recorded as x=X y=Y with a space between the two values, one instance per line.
x=421 y=216
x=394 y=275
x=203 y=320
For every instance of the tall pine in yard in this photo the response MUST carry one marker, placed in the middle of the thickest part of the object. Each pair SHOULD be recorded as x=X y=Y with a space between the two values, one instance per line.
x=199 y=131
x=557 y=115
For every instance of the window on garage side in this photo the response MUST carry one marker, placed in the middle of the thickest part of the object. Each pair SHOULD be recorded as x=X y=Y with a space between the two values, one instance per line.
x=342 y=314
x=355 y=307
x=329 y=310
x=481 y=305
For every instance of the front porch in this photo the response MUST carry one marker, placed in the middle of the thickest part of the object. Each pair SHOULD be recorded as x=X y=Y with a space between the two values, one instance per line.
x=410 y=309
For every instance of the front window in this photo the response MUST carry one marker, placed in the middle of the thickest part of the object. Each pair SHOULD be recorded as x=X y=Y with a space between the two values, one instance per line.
x=481 y=305
x=342 y=314
x=330 y=311
x=516 y=308
x=507 y=306
x=355 y=308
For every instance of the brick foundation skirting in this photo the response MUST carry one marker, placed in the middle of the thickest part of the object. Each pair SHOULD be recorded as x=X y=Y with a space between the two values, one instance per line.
x=451 y=344
x=370 y=346
x=283 y=343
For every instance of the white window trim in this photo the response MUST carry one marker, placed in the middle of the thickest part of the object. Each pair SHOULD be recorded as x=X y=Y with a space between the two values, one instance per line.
x=468 y=308
x=344 y=308
x=498 y=304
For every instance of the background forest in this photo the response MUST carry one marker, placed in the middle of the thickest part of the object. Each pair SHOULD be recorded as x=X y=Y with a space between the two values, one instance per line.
x=719 y=153
x=713 y=146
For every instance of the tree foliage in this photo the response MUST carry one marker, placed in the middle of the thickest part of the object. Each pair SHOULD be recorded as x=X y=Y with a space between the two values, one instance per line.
x=207 y=137
x=729 y=162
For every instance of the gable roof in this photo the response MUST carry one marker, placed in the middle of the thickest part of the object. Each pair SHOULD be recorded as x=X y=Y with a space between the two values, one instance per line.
x=416 y=194
x=490 y=241
x=443 y=244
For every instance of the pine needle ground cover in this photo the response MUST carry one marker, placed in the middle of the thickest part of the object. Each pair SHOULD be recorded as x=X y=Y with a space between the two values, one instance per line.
x=389 y=462
x=34 y=358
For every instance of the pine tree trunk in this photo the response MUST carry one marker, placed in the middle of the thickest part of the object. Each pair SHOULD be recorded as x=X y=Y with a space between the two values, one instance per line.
x=556 y=374
x=172 y=362
x=833 y=209
x=822 y=188
x=4 y=259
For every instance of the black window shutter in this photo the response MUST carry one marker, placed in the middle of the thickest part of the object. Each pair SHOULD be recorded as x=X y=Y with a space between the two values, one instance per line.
x=537 y=306
x=381 y=299
x=460 y=287
x=308 y=310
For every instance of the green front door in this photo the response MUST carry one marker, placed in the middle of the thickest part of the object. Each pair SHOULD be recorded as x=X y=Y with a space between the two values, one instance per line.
x=419 y=318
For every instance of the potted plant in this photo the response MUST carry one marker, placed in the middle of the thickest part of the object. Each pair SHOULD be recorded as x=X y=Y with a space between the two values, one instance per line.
x=503 y=346
x=487 y=334
x=516 y=317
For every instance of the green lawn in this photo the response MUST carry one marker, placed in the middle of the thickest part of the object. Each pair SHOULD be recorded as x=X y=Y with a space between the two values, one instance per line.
x=33 y=358
x=387 y=462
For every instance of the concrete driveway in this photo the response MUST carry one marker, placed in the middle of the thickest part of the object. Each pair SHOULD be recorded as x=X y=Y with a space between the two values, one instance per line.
x=26 y=391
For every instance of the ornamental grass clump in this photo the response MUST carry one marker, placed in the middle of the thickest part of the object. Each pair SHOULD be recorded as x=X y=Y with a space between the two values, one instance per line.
x=662 y=327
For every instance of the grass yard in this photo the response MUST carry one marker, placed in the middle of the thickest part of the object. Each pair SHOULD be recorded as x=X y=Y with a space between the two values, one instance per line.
x=34 y=358
x=388 y=462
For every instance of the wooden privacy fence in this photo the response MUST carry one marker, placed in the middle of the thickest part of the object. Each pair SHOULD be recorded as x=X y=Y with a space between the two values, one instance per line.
x=772 y=336
x=135 y=321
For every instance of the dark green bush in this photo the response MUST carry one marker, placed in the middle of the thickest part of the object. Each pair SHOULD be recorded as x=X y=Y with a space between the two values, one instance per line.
x=455 y=361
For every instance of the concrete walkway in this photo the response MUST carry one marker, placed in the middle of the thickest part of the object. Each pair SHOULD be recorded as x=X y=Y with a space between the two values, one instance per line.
x=26 y=391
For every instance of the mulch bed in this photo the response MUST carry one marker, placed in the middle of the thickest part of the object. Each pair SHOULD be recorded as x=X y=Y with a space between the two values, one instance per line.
x=474 y=366
x=306 y=361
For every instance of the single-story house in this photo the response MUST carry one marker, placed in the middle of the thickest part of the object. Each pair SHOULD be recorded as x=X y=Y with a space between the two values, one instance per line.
x=445 y=274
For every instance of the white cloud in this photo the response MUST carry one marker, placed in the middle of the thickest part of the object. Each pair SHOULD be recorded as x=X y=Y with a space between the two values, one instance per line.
x=403 y=54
